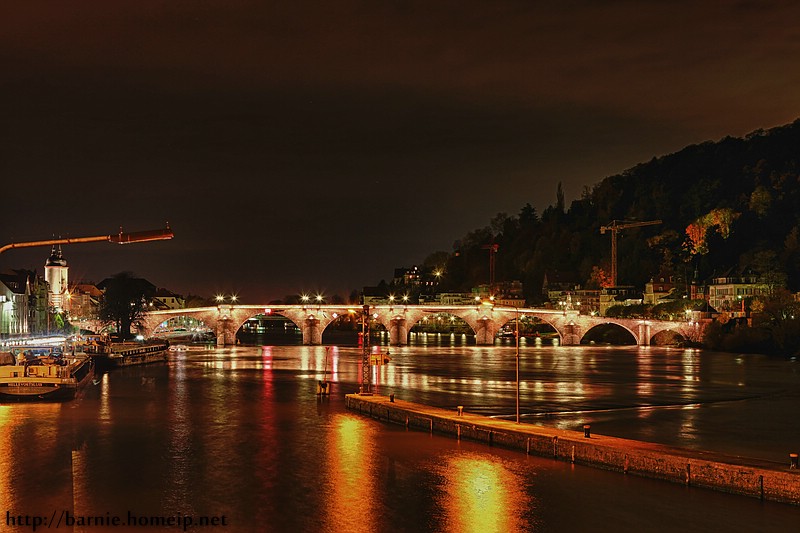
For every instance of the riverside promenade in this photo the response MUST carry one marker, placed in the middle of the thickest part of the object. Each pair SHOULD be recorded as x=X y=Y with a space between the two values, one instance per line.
x=746 y=476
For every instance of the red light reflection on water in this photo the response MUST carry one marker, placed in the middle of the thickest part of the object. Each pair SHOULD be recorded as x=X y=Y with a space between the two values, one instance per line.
x=266 y=358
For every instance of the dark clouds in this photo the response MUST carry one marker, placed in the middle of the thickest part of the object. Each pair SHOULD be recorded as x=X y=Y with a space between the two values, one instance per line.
x=317 y=145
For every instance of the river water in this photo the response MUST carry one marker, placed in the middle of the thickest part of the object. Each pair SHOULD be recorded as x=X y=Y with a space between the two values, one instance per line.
x=237 y=437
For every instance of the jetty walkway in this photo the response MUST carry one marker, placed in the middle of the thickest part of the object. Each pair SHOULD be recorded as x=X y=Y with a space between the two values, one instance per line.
x=766 y=480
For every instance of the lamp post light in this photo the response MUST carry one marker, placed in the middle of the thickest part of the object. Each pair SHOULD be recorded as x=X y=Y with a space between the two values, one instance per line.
x=516 y=335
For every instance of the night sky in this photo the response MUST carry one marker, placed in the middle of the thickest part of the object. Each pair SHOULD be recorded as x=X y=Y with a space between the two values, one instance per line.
x=315 y=146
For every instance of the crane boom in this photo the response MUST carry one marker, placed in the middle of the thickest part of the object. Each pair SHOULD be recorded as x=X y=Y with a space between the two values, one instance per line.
x=614 y=227
x=119 y=238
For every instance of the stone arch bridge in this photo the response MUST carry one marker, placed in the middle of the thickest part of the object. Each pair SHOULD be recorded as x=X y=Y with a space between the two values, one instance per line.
x=485 y=320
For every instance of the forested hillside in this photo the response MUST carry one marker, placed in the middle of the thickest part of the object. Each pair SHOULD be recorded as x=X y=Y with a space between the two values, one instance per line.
x=724 y=205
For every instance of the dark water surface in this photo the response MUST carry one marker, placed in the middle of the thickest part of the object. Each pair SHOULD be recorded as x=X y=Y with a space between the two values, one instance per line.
x=238 y=433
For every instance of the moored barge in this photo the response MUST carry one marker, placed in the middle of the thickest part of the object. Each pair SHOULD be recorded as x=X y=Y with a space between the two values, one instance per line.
x=43 y=374
x=120 y=354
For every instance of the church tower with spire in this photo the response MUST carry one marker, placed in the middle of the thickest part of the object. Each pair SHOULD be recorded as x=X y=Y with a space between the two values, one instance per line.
x=56 y=275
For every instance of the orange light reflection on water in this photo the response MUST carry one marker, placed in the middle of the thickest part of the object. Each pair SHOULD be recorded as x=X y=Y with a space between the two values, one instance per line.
x=6 y=457
x=27 y=430
x=349 y=478
x=482 y=495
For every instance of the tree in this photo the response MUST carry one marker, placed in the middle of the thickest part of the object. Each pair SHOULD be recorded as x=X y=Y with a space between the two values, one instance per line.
x=123 y=302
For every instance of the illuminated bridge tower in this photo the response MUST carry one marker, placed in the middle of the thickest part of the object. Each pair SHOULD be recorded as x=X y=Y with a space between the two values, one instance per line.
x=56 y=275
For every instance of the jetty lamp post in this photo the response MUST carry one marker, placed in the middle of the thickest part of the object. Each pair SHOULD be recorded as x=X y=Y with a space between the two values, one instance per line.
x=516 y=338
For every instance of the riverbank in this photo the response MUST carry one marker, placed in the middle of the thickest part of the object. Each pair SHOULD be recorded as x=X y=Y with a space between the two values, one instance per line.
x=761 y=479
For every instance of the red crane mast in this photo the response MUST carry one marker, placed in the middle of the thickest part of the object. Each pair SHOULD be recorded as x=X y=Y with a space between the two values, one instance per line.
x=614 y=227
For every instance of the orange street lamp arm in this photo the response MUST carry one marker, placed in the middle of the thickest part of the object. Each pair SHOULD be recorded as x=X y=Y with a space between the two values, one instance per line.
x=119 y=238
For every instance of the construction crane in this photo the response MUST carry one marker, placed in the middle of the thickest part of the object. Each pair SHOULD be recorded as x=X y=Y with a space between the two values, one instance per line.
x=614 y=227
x=117 y=238
x=492 y=250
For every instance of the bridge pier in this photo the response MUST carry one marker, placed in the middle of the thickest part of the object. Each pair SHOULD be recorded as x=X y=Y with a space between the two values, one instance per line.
x=644 y=334
x=312 y=333
x=224 y=335
x=398 y=332
x=485 y=332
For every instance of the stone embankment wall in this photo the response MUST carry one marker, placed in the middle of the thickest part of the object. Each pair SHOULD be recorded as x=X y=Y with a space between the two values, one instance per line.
x=760 y=479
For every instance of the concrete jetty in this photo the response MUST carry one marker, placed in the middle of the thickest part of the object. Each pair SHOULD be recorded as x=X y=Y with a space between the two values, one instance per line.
x=750 y=477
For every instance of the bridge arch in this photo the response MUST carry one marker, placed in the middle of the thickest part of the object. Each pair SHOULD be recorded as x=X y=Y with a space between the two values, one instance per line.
x=604 y=331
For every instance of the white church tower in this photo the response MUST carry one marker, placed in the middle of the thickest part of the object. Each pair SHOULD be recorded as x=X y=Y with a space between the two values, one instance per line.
x=56 y=275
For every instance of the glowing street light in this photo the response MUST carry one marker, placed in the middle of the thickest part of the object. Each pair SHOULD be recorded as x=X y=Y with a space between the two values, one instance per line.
x=516 y=338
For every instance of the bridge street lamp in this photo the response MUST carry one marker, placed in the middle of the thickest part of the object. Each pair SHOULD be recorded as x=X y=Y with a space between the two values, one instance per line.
x=516 y=355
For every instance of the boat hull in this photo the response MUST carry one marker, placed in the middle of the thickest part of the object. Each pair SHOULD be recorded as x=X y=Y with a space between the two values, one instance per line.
x=32 y=388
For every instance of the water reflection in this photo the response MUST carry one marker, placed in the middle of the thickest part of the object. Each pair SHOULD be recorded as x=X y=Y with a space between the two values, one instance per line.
x=7 y=447
x=349 y=479
x=241 y=431
x=480 y=494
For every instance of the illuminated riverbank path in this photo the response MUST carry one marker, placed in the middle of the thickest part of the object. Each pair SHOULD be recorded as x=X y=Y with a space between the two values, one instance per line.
x=485 y=320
